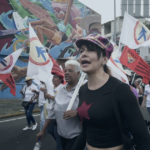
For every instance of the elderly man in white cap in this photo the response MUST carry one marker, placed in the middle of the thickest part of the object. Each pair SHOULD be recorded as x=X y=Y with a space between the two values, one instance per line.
x=29 y=101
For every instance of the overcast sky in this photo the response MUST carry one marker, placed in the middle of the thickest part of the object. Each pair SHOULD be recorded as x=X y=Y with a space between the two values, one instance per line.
x=104 y=7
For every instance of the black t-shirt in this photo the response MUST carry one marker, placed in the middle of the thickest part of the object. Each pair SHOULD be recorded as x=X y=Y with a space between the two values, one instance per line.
x=96 y=112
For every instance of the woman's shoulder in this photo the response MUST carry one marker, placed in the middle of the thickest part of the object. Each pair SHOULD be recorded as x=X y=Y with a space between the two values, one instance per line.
x=116 y=81
x=118 y=85
x=60 y=87
x=33 y=86
x=83 y=87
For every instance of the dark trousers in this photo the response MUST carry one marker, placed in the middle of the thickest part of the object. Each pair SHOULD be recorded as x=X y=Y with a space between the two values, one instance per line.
x=52 y=129
x=140 y=100
x=67 y=144
x=28 y=112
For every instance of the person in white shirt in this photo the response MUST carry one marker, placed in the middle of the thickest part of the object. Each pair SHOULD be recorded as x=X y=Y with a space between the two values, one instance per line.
x=146 y=99
x=41 y=103
x=52 y=128
x=30 y=98
x=70 y=129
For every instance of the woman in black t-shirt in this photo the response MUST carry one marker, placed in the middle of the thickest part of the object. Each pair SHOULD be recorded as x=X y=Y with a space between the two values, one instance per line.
x=96 y=110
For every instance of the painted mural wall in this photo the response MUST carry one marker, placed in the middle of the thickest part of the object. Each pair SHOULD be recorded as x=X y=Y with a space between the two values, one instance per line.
x=56 y=22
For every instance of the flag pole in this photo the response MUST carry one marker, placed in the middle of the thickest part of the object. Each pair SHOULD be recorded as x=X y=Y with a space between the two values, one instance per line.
x=115 y=21
x=76 y=91
x=133 y=78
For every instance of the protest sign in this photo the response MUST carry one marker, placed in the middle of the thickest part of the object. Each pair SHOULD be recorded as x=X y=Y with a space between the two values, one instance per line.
x=132 y=60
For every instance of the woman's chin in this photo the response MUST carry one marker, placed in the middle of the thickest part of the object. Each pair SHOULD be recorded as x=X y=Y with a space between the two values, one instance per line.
x=85 y=70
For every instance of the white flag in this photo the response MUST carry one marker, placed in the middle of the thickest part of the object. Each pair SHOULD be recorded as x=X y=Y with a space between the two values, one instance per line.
x=6 y=66
x=134 y=34
x=8 y=62
x=40 y=64
x=115 y=66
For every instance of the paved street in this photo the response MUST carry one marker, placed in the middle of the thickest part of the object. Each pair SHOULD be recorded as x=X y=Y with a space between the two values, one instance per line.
x=12 y=137
x=145 y=114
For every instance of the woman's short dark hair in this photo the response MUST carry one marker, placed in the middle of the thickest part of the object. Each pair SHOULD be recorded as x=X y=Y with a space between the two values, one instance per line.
x=93 y=47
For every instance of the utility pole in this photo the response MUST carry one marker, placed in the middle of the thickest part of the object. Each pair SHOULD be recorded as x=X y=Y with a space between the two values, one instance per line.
x=114 y=21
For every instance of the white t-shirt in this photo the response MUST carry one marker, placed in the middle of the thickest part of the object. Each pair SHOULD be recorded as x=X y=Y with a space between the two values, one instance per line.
x=42 y=100
x=50 y=104
x=27 y=90
x=138 y=91
x=147 y=92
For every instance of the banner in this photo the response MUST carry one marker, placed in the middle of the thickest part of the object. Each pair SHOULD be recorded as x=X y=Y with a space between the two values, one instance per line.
x=132 y=60
x=134 y=34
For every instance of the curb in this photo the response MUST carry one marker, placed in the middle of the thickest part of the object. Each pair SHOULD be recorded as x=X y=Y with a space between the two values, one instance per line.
x=17 y=114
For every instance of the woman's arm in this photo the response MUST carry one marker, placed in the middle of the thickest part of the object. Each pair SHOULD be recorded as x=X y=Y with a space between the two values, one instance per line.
x=33 y=99
x=130 y=111
x=46 y=95
x=140 y=90
x=144 y=101
x=49 y=96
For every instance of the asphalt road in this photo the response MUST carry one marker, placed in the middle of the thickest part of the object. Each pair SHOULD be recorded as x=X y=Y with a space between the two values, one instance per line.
x=12 y=137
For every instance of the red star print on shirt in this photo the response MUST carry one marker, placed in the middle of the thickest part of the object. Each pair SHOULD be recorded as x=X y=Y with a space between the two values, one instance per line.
x=83 y=111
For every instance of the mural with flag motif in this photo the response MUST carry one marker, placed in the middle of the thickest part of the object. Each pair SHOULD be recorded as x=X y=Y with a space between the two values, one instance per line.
x=56 y=22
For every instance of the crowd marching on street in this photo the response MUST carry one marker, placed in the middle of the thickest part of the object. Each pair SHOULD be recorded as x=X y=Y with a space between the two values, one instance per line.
x=101 y=105
x=93 y=102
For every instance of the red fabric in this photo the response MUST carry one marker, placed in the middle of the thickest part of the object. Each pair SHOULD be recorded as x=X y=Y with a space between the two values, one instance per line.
x=132 y=60
x=83 y=111
x=56 y=69
x=9 y=81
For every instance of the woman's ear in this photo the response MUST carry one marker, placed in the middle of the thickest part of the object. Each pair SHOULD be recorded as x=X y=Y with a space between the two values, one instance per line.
x=105 y=60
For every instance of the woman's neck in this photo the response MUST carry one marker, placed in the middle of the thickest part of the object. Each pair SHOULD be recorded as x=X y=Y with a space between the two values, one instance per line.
x=97 y=80
x=28 y=85
x=55 y=86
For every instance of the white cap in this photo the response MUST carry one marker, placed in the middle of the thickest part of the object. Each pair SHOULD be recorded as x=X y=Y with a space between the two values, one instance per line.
x=128 y=72
x=28 y=78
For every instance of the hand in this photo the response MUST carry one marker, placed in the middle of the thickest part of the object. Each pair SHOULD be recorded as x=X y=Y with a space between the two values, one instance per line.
x=34 y=91
x=143 y=106
x=40 y=136
x=69 y=114
x=43 y=89
x=31 y=101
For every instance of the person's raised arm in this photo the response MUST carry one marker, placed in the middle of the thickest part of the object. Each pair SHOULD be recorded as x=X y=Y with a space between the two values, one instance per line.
x=140 y=90
x=46 y=95
x=70 y=3
x=129 y=109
